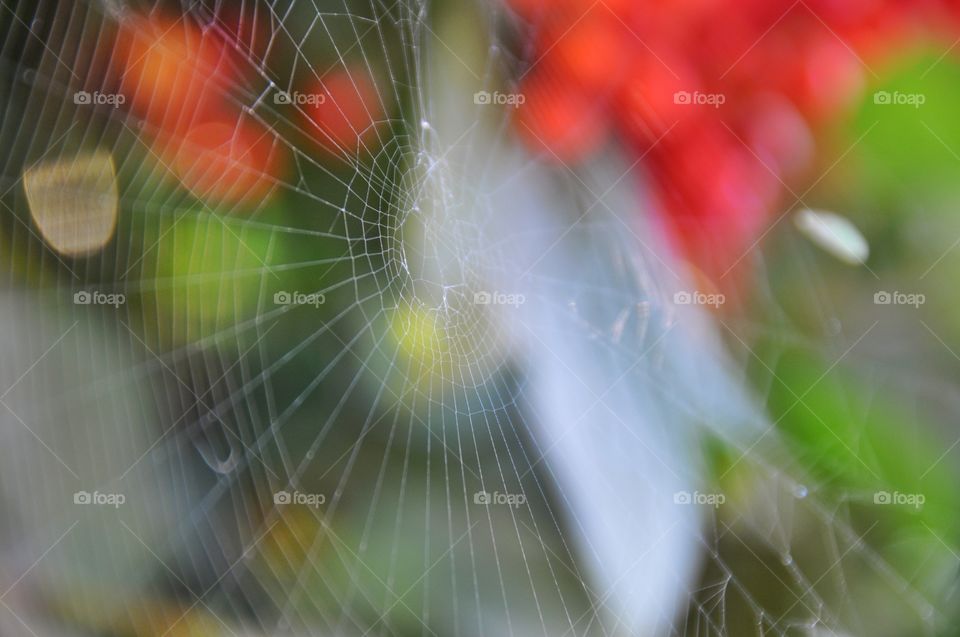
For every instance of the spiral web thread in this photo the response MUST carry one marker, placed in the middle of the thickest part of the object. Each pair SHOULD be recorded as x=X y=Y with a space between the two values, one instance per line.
x=397 y=400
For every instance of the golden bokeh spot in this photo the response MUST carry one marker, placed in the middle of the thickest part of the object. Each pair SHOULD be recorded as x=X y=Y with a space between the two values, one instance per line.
x=74 y=201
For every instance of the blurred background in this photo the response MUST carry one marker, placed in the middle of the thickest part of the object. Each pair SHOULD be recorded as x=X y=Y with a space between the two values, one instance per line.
x=515 y=317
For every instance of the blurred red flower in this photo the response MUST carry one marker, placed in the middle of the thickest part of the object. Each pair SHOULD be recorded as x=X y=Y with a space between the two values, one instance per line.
x=722 y=97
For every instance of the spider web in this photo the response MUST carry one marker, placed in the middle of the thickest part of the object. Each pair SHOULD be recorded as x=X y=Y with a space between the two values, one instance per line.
x=486 y=410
